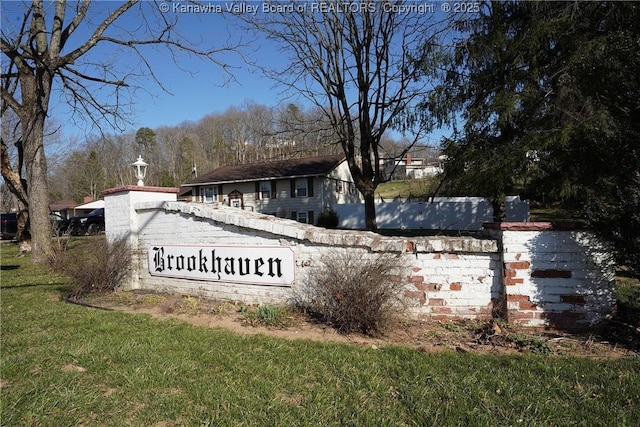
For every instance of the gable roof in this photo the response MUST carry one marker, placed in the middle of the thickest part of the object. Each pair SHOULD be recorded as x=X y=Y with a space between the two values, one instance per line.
x=280 y=169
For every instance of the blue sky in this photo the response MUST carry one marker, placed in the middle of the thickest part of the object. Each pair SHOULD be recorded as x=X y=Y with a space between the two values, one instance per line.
x=202 y=90
x=198 y=87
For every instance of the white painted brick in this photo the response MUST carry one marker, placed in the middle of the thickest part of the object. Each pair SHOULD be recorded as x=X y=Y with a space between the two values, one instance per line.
x=170 y=222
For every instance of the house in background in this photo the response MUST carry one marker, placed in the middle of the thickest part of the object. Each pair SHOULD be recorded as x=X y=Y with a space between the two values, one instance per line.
x=411 y=167
x=68 y=208
x=300 y=189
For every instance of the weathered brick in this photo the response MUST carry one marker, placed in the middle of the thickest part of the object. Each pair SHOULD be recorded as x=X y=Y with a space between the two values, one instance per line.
x=518 y=265
x=455 y=286
x=515 y=297
x=441 y=310
x=527 y=305
x=551 y=274
x=514 y=315
x=416 y=295
x=572 y=299
x=510 y=273
x=436 y=302
x=511 y=281
x=428 y=287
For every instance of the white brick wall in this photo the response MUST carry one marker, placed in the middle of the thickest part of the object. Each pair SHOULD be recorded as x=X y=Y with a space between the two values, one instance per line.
x=542 y=277
x=553 y=277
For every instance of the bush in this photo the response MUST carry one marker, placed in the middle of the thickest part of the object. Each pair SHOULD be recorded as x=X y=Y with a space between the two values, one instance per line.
x=355 y=294
x=328 y=219
x=94 y=265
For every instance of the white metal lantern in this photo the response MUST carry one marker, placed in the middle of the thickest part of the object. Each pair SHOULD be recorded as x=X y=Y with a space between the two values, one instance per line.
x=140 y=168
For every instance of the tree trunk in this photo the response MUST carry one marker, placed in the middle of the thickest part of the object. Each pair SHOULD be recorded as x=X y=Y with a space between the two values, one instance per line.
x=370 y=220
x=18 y=188
x=36 y=168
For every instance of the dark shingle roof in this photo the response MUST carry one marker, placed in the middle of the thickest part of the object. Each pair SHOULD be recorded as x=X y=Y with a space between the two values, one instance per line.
x=310 y=166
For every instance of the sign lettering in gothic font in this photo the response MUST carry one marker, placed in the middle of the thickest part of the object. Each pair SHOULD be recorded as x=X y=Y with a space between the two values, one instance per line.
x=261 y=265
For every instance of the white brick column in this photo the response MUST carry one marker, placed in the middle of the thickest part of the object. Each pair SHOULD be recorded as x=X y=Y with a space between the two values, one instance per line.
x=121 y=219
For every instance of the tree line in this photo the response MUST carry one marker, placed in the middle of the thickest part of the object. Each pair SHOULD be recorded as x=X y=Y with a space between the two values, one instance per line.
x=250 y=133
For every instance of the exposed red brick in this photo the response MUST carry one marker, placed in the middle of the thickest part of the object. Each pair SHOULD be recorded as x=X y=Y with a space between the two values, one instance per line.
x=510 y=273
x=452 y=256
x=520 y=315
x=437 y=256
x=518 y=265
x=527 y=305
x=441 y=310
x=428 y=287
x=410 y=246
x=416 y=295
x=481 y=278
x=416 y=279
x=416 y=269
x=511 y=281
x=551 y=274
x=512 y=298
x=455 y=286
x=436 y=301
x=572 y=299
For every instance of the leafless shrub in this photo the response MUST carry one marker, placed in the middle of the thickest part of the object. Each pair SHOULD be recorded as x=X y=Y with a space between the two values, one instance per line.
x=355 y=294
x=95 y=265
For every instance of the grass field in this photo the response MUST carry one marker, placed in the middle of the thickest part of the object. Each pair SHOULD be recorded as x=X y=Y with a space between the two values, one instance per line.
x=68 y=365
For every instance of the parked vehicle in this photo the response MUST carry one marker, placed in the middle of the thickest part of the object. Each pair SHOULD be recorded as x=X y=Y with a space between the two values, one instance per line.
x=8 y=225
x=91 y=223
x=57 y=223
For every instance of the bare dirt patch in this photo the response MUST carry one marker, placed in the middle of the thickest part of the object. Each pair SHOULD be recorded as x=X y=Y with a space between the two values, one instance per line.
x=485 y=337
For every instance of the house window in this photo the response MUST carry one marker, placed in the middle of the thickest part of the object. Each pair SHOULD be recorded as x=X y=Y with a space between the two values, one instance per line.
x=209 y=194
x=304 y=217
x=339 y=186
x=301 y=188
x=265 y=189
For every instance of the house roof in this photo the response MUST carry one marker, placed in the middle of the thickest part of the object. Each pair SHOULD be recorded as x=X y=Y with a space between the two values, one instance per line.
x=61 y=205
x=96 y=204
x=280 y=169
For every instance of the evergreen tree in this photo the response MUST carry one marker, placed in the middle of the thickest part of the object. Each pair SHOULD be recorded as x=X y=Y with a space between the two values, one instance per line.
x=549 y=94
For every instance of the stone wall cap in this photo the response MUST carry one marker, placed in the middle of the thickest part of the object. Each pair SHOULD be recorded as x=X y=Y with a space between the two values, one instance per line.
x=292 y=229
x=144 y=188
x=534 y=226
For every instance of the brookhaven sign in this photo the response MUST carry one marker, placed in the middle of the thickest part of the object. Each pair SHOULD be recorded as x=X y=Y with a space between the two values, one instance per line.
x=260 y=265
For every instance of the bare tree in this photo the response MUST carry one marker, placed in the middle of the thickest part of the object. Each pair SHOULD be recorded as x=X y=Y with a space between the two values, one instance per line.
x=362 y=64
x=40 y=54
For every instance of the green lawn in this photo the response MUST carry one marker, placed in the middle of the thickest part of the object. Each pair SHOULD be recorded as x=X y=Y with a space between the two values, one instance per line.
x=68 y=365
x=407 y=188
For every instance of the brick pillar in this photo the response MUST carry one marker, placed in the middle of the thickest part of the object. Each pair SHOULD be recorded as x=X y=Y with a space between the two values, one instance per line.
x=121 y=220
x=555 y=275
